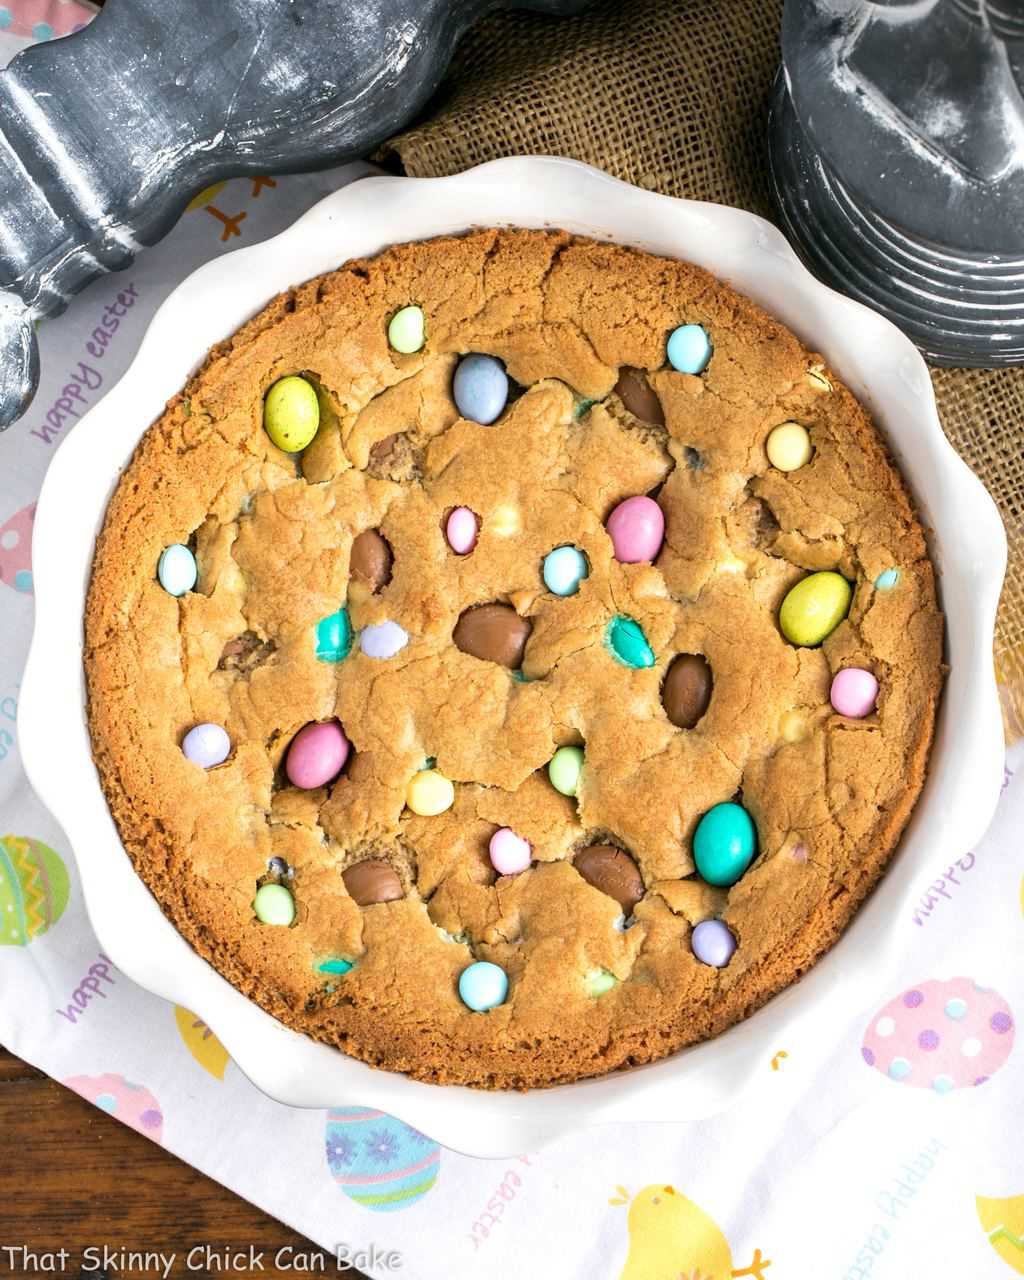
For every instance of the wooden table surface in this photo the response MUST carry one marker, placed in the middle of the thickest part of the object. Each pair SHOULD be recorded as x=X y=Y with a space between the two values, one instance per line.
x=72 y=1177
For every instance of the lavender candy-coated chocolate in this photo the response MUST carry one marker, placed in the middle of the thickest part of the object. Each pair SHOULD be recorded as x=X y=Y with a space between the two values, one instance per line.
x=713 y=943
x=206 y=745
x=106 y=134
x=383 y=639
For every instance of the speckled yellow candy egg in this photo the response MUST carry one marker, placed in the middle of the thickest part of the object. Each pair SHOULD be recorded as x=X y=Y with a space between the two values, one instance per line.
x=814 y=608
x=291 y=413
x=33 y=889
x=429 y=793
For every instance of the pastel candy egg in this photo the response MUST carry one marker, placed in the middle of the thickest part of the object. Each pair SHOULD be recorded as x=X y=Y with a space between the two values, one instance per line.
x=854 y=692
x=207 y=745
x=599 y=982
x=291 y=413
x=724 y=843
x=789 y=446
x=429 y=793
x=564 y=769
x=461 y=530
x=383 y=639
x=379 y=1162
x=274 y=904
x=509 y=852
x=940 y=1035
x=130 y=1103
x=689 y=348
x=333 y=637
x=628 y=643
x=480 y=388
x=407 y=330
x=34 y=888
x=483 y=986
x=637 y=529
x=713 y=943
x=887 y=579
x=317 y=755
x=564 y=569
x=814 y=608
x=176 y=570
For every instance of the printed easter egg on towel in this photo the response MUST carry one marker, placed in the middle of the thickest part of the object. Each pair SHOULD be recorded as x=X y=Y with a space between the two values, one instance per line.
x=16 y=550
x=132 y=1104
x=378 y=1161
x=940 y=1035
x=34 y=889
x=201 y=1043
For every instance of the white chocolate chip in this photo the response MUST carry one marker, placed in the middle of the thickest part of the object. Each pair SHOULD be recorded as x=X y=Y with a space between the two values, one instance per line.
x=504 y=521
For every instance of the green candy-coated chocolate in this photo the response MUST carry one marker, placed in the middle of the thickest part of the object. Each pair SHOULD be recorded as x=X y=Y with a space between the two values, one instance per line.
x=564 y=769
x=724 y=843
x=598 y=981
x=273 y=904
x=407 y=330
x=814 y=608
x=629 y=644
x=291 y=413
x=334 y=637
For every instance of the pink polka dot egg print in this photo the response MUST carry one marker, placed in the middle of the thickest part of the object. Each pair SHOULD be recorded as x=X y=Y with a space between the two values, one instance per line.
x=132 y=1104
x=940 y=1035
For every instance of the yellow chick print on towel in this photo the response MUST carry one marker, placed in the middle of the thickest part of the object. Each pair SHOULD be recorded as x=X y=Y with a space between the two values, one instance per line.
x=671 y=1238
x=1003 y=1221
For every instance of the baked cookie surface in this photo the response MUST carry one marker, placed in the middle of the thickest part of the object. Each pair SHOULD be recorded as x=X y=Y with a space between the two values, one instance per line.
x=390 y=906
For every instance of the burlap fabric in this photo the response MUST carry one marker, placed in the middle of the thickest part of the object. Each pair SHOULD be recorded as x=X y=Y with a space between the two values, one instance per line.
x=672 y=95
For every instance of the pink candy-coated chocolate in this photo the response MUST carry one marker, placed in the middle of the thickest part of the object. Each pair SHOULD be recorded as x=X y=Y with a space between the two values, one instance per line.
x=317 y=755
x=510 y=853
x=637 y=530
x=461 y=531
x=854 y=692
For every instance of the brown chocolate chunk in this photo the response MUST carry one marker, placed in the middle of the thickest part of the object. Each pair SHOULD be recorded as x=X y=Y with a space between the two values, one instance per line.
x=687 y=689
x=639 y=397
x=371 y=560
x=493 y=632
x=245 y=653
x=613 y=872
x=373 y=880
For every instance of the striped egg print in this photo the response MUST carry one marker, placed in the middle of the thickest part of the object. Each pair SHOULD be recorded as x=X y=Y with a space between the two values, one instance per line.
x=378 y=1161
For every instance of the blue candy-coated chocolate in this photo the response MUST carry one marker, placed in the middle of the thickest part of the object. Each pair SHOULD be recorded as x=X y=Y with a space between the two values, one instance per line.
x=483 y=986
x=335 y=966
x=887 y=579
x=480 y=388
x=713 y=943
x=724 y=843
x=176 y=570
x=334 y=637
x=689 y=349
x=564 y=569
x=628 y=643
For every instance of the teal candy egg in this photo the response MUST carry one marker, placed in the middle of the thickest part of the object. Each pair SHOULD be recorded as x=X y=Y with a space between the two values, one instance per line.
x=724 y=843
x=564 y=569
x=378 y=1161
x=334 y=637
x=629 y=644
